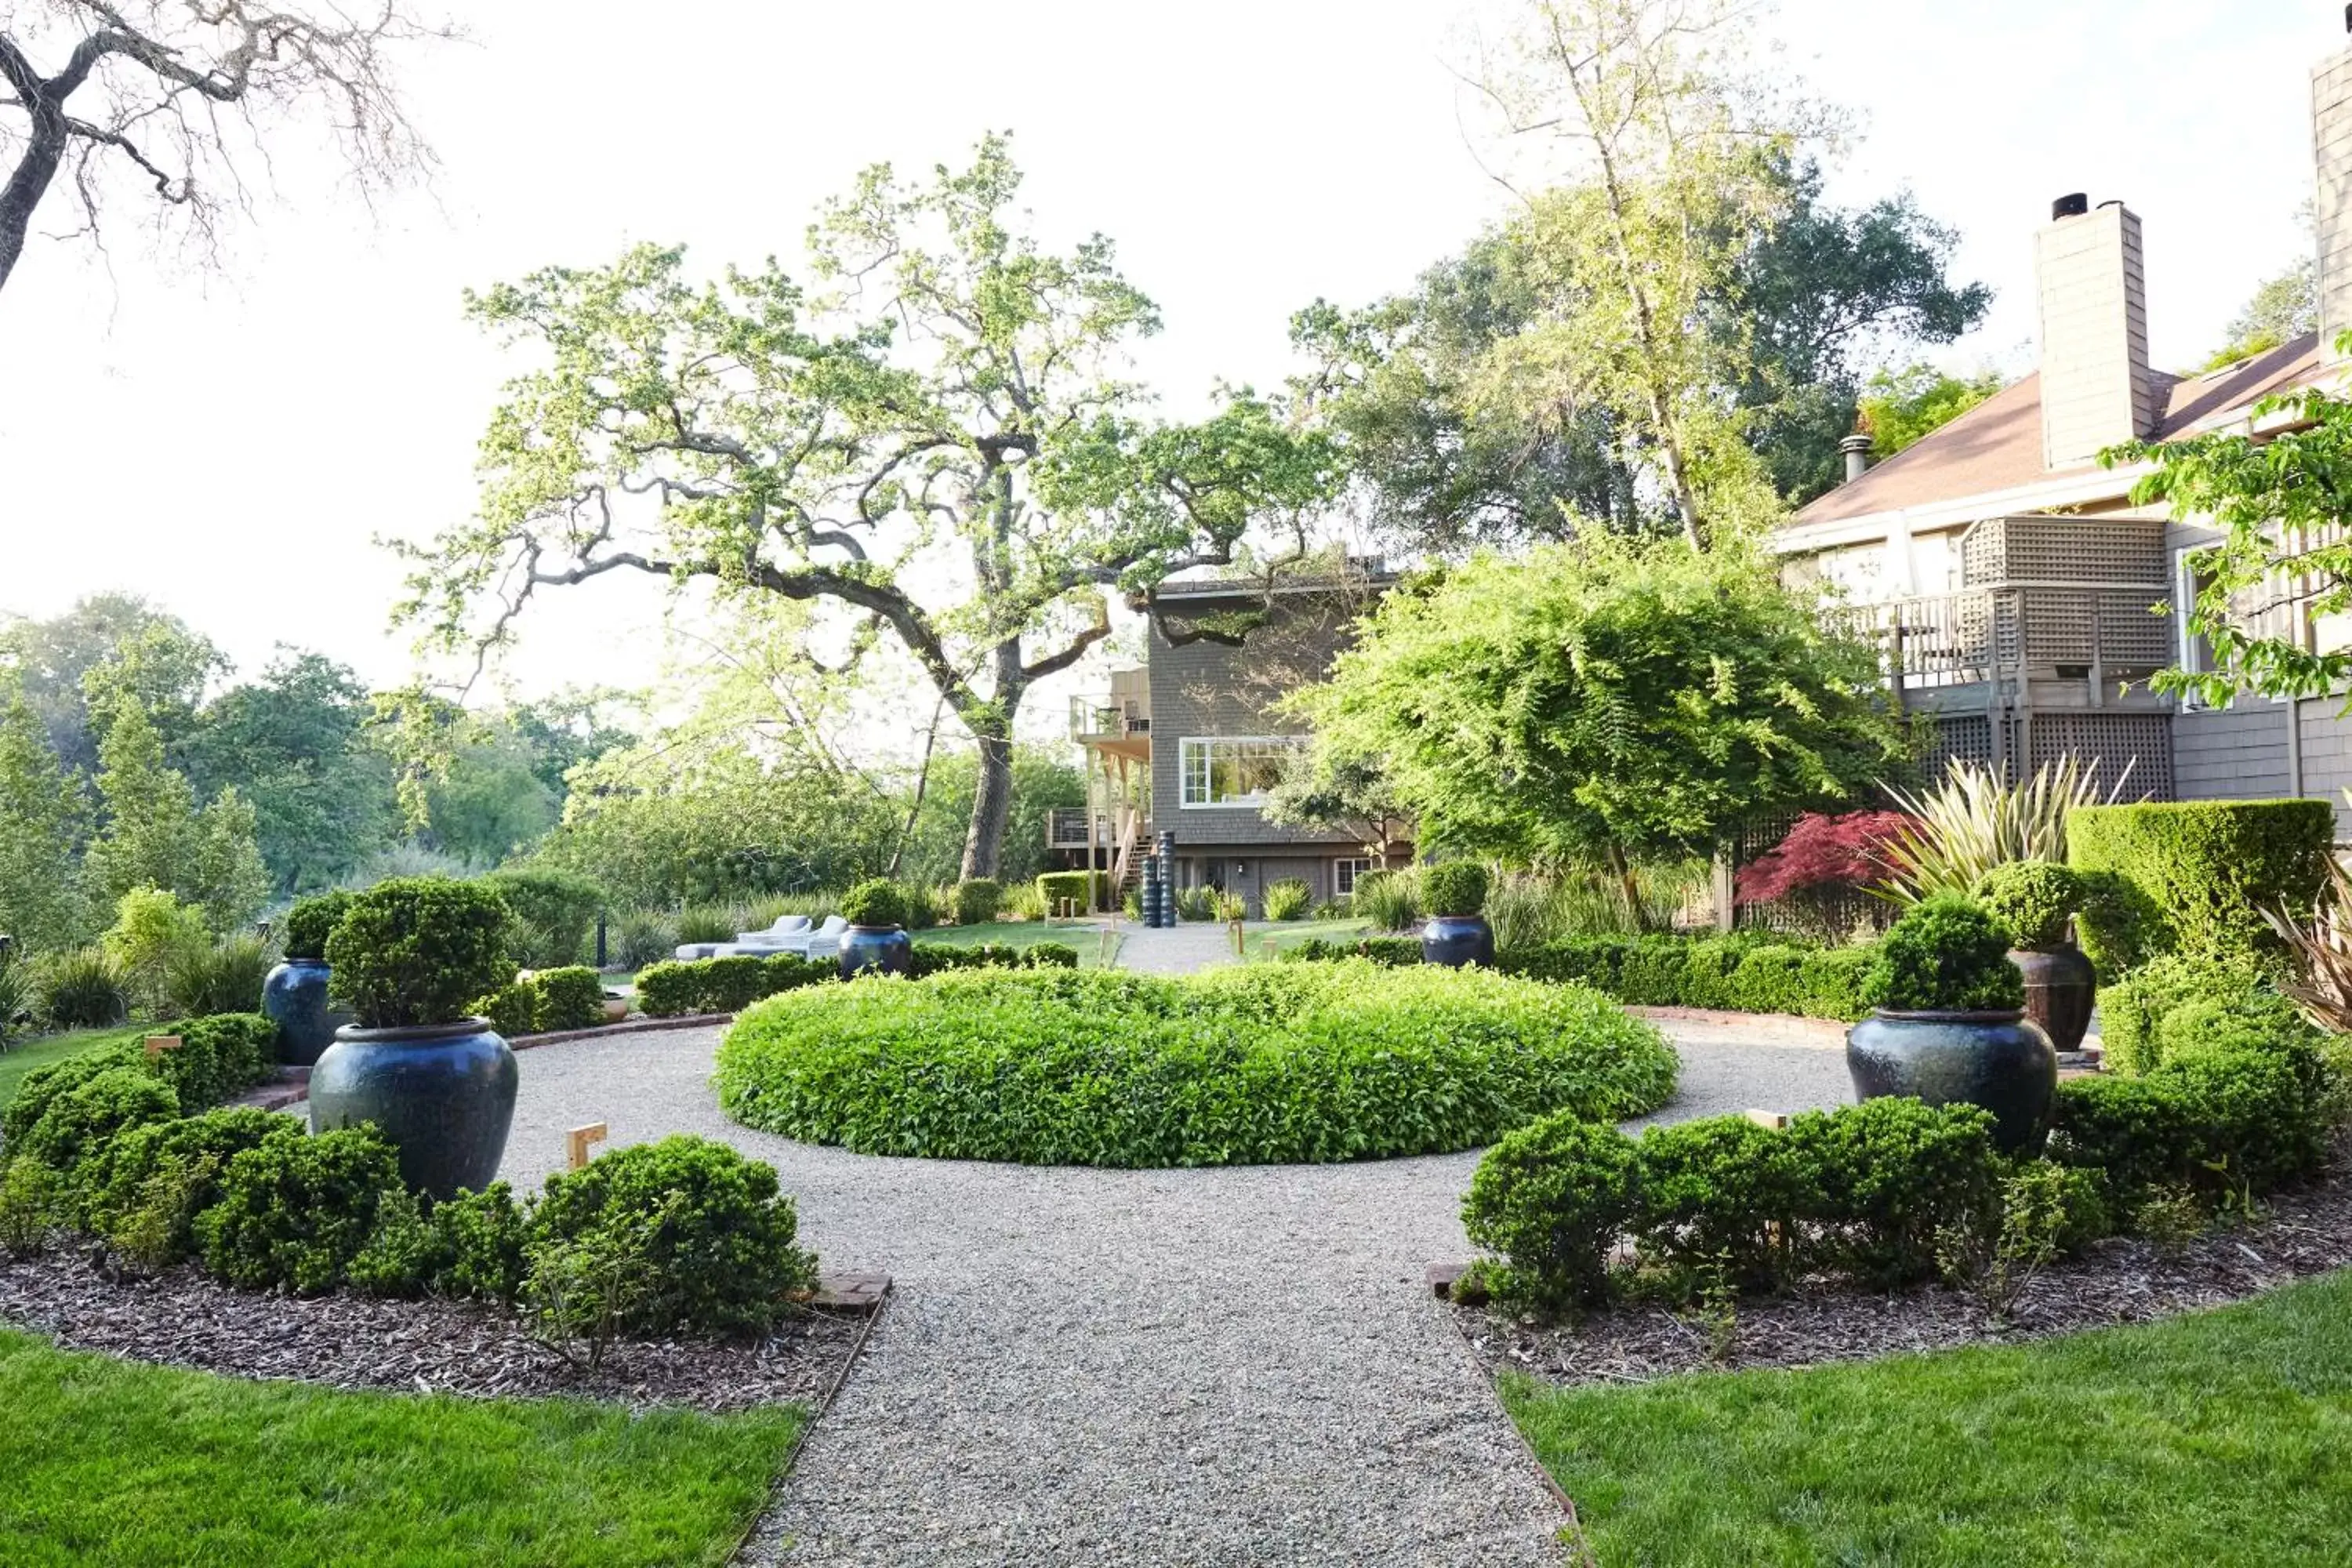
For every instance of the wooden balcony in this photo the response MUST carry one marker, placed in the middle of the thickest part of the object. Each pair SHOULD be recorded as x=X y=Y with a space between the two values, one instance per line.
x=2070 y=644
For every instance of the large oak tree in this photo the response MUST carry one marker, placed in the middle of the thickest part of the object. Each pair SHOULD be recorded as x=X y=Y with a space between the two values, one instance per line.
x=941 y=441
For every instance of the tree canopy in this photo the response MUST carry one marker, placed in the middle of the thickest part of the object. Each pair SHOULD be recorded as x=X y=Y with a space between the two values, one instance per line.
x=941 y=444
x=1606 y=699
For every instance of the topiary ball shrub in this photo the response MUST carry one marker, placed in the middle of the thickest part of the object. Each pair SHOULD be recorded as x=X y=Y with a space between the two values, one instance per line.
x=1551 y=1198
x=295 y=1212
x=1258 y=1064
x=569 y=998
x=718 y=1237
x=1945 y=955
x=510 y=1010
x=416 y=950
x=978 y=901
x=1885 y=1176
x=312 y=922
x=1456 y=887
x=553 y=911
x=876 y=902
x=1722 y=1193
x=2034 y=899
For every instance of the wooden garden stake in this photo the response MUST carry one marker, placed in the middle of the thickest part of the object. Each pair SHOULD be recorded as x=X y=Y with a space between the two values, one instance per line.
x=579 y=1138
x=158 y=1044
x=1772 y=1118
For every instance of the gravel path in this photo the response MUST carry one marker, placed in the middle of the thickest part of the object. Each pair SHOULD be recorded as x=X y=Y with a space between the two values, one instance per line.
x=1180 y=949
x=1236 y=1366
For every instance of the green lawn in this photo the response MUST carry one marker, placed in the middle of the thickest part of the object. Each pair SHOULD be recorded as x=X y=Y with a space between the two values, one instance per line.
x=23 y=1056
x=2223 y=1437
x=111 y=1463
x=1287 y=934
x=1084 y=935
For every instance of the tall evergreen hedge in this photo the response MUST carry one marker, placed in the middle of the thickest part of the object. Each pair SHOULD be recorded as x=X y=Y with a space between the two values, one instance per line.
x=2192 y=877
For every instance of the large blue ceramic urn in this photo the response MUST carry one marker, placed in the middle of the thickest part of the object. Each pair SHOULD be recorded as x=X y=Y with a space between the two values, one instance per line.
x=443 y=1094
x=2000 y=1060
x=886 y=949
x=1458 y=941
x=294 y=997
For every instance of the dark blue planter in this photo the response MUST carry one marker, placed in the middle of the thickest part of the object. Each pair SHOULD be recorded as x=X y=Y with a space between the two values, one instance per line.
x=1456 y=940
x=886 y=948
x=294 y=998
x=2001 y=1061
x=443 y=1095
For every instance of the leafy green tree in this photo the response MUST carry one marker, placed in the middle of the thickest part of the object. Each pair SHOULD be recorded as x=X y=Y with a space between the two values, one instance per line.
x=43 y=819
x=1607 y=700
x=1042 y=780
x=2283 y=503
x=1899 y=407
x=109 y=644
x=1332 y=790
x=2282 y=309
x=154 y=836
x=943 y=446
x=294 y=744
x=490 y=800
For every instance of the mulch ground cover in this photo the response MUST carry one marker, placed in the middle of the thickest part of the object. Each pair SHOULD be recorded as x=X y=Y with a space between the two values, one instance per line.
x=344 y=1341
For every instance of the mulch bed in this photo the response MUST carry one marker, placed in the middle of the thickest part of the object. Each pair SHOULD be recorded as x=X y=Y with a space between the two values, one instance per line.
x=2118 y=1282
x=343 y=1341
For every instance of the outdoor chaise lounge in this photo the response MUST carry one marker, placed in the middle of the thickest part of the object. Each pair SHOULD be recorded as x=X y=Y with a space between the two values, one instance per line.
x=774 y=939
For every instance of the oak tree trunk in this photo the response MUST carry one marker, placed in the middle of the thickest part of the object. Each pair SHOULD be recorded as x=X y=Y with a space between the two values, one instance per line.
x=992 y=806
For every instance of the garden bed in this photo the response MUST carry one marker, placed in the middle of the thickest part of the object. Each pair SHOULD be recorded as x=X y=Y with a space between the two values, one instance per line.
x=1255 y=1065
x=345 y=1341
x=2118 y=1280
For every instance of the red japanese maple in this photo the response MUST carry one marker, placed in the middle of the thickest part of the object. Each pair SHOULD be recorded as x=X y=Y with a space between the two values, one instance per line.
x=1822 y=854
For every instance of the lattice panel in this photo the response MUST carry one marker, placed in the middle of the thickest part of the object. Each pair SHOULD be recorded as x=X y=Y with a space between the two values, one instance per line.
x=2107 y=743
x=1964 y=738
x=2063 y=550
x=2061 y=625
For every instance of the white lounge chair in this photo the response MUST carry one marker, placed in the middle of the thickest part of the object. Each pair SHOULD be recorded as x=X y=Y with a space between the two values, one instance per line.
x=824 y=941
x=748 y=942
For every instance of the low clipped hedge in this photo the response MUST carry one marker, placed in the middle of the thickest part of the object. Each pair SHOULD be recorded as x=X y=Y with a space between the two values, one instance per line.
x=731 y=984
x=1388 y=952
x=1258 y=1064
x=1059 y=888
x=2192 y=877
x=217 y=1058
x=1741 y=972
x=551 y=1000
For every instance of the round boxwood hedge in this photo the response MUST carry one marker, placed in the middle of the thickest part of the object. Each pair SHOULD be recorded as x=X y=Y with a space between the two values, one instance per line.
x=1262 y=1064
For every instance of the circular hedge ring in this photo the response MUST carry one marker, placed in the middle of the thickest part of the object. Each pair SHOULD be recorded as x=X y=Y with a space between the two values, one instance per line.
x=1258 y=1065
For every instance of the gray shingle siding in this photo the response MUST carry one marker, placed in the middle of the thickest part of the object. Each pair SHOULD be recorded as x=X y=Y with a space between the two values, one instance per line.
x=2237 y=752
x=1205 y=689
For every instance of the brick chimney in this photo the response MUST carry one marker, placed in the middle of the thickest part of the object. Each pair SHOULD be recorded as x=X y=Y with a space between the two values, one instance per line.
x=2331 y=142
x=2095 y=389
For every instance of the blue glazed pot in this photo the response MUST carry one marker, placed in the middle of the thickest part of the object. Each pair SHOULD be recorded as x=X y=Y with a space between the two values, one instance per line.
x=2001 y=1061
x=1457 y=940
x=294 y=997
x=886 y=948
x=443 y=1094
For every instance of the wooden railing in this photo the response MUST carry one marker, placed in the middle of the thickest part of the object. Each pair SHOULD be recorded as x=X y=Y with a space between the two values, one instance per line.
x=2102 y=632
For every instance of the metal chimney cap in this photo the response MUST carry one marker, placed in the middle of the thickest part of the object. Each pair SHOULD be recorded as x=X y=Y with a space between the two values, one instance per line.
x=1857 y=442
x=2072 y=205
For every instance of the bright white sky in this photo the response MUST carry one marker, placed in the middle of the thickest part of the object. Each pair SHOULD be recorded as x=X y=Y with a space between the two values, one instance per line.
x=229 y=445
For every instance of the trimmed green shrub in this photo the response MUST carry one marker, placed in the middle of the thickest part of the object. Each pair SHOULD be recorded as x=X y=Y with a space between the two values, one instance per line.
x=1455 y=888
x=1945 y=954
x=1747 y=973
x=1287 y=899
x=569 y=998
x=218 y=1058
x=154 y=1180
x=1552 y=1198
x=719 y=1236
x=2202 y=870
x=2132 y=1011
x=1724 y=1193
x=789 y=972
x=510 y=1010
x=1050 y=955
x=1886 y=1175
x=977 y=900
x=2033 y=900
x=1834 y=979
x=78 y=1124
x=403 y=1254
x=312 y=920
x=418 y=950
x=553 y=911
x=1060 y=888
x=1388 y=952
x=34 y=1205
x=295 y=1212
x=1262 y=1063
x=80 y=988
x=730 y=984
x=669 y=990
x=484 y=1237
x=876 y=902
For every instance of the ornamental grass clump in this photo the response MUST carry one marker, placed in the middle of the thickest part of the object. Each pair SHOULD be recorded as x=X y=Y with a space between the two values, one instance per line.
x=1271 y=1063
x=1947 y=955
x=416 y=950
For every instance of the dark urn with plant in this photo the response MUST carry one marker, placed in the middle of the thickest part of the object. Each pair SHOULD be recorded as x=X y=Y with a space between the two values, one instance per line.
x=1949 y=1023
x=1457 y=933
x=295 y=994
x=2037 y=902
x=876 y=938
x=409 y=956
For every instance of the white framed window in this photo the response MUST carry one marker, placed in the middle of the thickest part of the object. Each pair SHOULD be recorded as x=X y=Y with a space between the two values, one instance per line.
x=1345 y=871
x=2195 y=655
x=1218 y=771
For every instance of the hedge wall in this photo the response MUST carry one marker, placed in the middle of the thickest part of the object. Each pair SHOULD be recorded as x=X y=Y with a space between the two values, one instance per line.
x=1743 y=971
x=2192 y=877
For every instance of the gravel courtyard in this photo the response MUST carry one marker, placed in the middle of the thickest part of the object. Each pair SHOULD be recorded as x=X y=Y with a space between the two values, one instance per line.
x=1233 y=1366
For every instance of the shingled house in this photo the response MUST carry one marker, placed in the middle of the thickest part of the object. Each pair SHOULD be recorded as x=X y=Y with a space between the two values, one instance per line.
x=1189 y=743
x=2012 y=581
